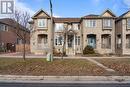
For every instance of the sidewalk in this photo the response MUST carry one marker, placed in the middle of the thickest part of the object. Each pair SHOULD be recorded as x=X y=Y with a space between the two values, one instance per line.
x=65 y=79
x=19 y=55
x=69 y=57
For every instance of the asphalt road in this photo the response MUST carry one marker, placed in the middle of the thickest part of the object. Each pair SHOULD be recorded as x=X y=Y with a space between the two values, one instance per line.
x=61 y=85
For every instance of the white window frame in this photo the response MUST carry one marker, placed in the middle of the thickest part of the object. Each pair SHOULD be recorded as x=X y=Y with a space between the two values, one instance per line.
x=107 y=24
x=90 y=23
x=57 y=41
x=59 y=26
x=3 y=27
x=41 y=21
x=77 y=40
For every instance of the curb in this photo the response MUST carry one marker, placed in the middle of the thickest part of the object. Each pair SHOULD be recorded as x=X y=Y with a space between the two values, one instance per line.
x=64 y=78
x=73 y=57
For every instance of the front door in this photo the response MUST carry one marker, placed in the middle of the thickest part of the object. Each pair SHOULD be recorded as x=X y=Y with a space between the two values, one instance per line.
x=70 y=45
x=92 y=41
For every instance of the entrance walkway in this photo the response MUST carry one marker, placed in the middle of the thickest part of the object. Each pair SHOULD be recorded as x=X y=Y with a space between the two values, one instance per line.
x=100 y=65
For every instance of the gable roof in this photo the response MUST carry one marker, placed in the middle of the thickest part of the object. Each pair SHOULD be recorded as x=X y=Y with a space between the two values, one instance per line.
x=110 y=12
x=99 y=16
x=91 y=16
x=40 y=11
x=66 y=20
x=124 y=14
x=10 y=22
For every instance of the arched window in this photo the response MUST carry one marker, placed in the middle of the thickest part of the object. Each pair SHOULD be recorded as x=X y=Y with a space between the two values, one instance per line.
x=91 y=40
x=106 y=41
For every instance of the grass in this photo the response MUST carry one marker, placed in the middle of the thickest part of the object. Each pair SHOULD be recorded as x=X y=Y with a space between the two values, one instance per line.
x=67 y=67
x=122 y=66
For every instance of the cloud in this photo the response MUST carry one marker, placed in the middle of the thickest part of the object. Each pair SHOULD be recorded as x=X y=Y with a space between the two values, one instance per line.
x=23 y=7
x=127 y=2
x=19 y=5
x=55 y=15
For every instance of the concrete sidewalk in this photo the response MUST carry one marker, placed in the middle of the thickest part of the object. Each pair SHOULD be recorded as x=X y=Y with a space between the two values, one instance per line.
x=69 y=57
x=65 y=79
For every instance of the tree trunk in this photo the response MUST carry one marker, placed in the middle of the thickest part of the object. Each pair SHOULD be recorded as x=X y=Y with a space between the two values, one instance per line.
x=64 y=52
x=24 y=51
x=24 y=48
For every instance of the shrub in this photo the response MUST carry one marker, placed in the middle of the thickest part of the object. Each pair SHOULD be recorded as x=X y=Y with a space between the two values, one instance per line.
x=88 y=50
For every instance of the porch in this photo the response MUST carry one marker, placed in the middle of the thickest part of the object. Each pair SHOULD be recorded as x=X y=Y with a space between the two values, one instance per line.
x=42 y=44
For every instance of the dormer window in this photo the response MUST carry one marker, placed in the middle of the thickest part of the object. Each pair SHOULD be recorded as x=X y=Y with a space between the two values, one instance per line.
x=42 y=23
x=128 y=23
x=107 y=23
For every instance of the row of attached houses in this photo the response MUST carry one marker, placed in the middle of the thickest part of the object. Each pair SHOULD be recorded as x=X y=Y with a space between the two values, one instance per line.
x=106 y=33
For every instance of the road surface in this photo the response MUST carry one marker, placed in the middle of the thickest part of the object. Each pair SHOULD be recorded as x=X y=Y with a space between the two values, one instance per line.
x=62 y=85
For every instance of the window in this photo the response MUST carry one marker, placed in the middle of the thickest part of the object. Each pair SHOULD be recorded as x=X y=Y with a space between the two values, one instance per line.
x=91 y=23
x=59 y=26
x=1 y=44
x=56 y=41
x=3 y=27
x=42 y=39
x=91 y=40
x=19 y=41
x=106 y=41
x=59 y=40
x=42 y=23
x=76 y=26
x=119 y=42
x=77 y=40
x=128 y=41
x=128 y=23
x=107 y=23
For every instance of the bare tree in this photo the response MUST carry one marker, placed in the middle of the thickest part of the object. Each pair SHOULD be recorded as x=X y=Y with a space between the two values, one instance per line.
x=24 y=21
x=65 y=33
x=20 y=19
x=65 y=30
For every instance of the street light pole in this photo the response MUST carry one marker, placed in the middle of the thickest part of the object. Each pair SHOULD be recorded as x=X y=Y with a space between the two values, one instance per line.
x=51 y=33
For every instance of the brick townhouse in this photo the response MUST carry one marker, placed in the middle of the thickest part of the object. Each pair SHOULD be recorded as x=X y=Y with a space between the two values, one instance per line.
x=106 y=33
x=8 y=38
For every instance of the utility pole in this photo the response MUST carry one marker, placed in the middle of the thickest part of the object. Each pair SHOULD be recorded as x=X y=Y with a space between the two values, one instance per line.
x=51 y=33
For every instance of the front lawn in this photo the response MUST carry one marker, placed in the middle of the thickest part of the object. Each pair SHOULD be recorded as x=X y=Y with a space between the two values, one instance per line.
x=122 y=66
x=67 y=67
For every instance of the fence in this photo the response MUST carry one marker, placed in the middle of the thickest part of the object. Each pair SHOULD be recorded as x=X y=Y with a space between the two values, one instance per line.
x=19 y=48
